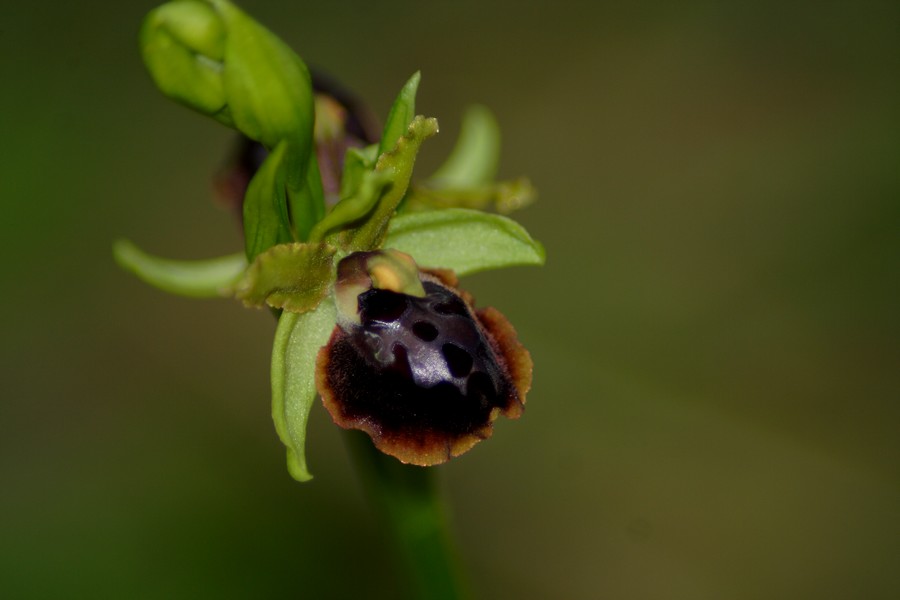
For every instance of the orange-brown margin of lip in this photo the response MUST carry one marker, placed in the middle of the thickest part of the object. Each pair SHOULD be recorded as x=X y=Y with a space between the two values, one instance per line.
x=434 y=448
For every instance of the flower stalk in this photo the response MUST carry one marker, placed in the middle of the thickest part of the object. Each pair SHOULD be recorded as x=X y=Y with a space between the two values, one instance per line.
x=416 y=521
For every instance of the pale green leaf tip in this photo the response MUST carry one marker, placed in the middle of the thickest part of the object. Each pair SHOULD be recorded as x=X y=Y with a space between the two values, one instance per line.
x=476 y=154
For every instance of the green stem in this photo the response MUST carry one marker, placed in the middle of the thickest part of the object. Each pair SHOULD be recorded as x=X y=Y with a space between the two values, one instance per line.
x=407 y=498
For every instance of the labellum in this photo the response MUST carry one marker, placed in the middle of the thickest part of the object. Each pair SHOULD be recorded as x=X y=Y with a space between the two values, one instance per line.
x=413 y=364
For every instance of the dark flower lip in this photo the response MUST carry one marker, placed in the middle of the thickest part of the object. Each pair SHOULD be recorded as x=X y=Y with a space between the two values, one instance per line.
x=425 y=378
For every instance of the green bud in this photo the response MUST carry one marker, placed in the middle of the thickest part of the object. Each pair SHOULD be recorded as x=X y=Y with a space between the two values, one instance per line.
x=183 y=44
x=212 y=57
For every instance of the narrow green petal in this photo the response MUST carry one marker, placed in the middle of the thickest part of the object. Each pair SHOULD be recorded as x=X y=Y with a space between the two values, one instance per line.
x=466 y=241
x=297 y=342
x=402 y=112
x=357 y=206
x=357 y=162
x=397 y=165
x=198 y=279
x=307 y=204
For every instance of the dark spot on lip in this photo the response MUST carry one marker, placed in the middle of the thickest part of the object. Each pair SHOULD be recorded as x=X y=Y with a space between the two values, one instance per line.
x=382 y=305
x=453 y=306
x=480 y=389
x=425 y=331
x=458 y=360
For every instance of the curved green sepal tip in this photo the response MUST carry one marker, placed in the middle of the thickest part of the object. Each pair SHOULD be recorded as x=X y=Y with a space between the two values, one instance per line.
x=466 y=241
x=474 y=159
x=197 y=279
x=294 y=277
x=297 y=342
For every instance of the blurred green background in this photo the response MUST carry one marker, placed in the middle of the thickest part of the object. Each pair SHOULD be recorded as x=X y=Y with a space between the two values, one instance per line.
x=715 y=410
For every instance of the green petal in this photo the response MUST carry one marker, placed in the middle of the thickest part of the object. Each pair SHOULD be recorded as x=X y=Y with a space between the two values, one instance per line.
x=402 y=112
x=266 y=220
x=297 y=342
x=397 y=166
x=357 y=206
x=307 y=203
x=357 y=162
x=197 y=279
x=295 y=277
x=364 y=179
x=474 y=159
x=466 y=241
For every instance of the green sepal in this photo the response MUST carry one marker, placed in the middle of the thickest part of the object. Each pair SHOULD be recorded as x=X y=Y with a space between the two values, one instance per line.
x=307 y=204
x=297 y=342
x=266 y=221
x=502 y=196
x=294 y=277
x=397 y=165
x=401 y=115
x=466 y=241
x=474 y=159
x=210 y=278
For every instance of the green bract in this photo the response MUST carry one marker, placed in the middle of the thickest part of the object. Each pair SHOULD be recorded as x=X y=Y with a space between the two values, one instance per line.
x=213 y=58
